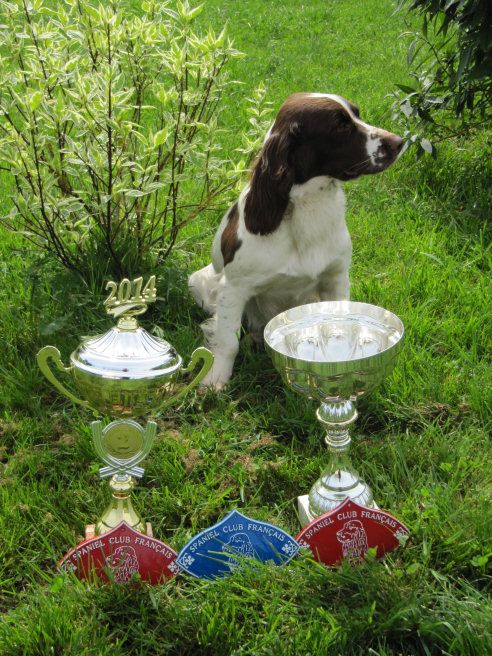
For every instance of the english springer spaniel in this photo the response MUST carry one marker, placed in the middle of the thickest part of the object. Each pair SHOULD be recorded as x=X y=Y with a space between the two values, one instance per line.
x=284 y=242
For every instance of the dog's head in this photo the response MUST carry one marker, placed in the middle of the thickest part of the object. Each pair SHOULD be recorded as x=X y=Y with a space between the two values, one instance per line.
x=351 y=530
x=313 y=135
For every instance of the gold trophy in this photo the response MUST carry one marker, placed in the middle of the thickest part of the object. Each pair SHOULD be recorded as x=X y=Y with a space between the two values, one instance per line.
x=126 y=372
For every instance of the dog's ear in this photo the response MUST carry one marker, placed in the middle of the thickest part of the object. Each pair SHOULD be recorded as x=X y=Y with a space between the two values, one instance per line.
x=270 y=184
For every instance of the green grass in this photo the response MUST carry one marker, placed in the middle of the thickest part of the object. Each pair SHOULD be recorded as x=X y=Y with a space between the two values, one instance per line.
x=422 y=249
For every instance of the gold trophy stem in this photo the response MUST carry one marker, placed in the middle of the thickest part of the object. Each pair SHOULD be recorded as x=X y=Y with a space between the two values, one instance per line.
x=120 y=509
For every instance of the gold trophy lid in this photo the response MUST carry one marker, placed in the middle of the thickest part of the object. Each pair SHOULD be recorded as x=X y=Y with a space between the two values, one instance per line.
x=127 y=351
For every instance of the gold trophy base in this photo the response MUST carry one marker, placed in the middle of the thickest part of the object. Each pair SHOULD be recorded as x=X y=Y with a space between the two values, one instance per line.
x=90 y=531
x=120 y=509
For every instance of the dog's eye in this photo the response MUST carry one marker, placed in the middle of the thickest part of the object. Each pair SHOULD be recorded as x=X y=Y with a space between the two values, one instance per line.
x=354 y=110
x=344 y=121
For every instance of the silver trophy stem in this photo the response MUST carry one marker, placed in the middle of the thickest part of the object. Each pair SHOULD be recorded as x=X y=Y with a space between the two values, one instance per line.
x=339 y=480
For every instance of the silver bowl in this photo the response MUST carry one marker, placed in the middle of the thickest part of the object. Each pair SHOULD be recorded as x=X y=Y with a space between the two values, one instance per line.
x=125 y=372
x=334 y=350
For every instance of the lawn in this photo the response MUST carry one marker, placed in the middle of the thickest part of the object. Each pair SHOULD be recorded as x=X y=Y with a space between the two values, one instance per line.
x=421 y=235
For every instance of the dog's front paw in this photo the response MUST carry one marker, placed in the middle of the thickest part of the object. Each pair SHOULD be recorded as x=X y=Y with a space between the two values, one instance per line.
x=212 y=385
x=218 y=376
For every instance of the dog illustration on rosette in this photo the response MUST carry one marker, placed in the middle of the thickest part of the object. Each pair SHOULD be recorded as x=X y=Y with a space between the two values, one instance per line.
x=285 y=242
x=353 y=539
x=239 y=545
x=123 y=563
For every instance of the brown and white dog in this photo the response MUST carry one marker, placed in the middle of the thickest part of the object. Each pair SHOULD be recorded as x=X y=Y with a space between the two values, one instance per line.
x=285 y=241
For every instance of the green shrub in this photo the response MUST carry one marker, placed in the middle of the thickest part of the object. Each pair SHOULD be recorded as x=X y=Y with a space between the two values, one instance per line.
x=452 y=71
x=109 y=128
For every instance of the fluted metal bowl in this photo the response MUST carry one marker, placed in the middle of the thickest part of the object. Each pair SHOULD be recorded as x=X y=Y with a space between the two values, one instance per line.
x=125 y=372
x=334 y=350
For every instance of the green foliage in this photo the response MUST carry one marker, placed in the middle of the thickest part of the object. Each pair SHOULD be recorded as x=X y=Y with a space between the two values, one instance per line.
x=451 y=61
x=109 y=127
x=422 y=441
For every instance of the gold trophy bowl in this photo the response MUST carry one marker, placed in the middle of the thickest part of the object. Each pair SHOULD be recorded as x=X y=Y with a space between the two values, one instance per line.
x=125 y=372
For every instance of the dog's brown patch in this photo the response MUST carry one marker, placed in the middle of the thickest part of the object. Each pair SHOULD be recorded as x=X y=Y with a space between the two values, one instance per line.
x=229 y=241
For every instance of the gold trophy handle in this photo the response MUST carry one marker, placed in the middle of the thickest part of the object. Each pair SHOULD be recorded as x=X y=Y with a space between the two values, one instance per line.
x=52 y=353
x=200 y=353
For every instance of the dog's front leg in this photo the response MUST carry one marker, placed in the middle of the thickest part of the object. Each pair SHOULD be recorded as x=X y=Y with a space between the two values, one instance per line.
x=222 y=333
x=334 y=286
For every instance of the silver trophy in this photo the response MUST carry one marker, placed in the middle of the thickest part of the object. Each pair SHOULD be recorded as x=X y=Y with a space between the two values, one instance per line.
x=334 y=352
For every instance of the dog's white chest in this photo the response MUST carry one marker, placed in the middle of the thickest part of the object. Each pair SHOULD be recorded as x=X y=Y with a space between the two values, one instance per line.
x=315 y=234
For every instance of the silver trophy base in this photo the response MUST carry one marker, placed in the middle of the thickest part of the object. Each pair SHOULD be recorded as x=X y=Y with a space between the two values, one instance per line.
x=305 y=514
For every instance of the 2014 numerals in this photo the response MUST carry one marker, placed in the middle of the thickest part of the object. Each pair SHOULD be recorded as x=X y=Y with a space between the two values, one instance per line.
x=130 y=291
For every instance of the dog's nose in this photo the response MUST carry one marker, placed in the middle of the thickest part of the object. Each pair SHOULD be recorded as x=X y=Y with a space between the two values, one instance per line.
x=393 y=143
x=397 y=143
